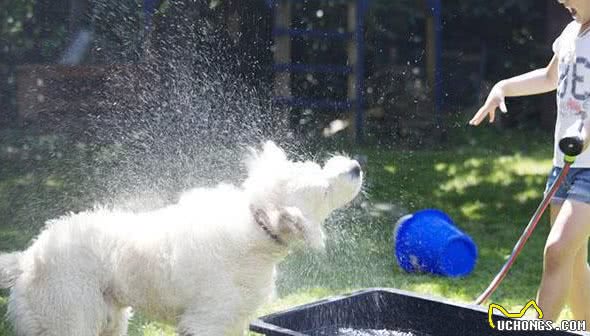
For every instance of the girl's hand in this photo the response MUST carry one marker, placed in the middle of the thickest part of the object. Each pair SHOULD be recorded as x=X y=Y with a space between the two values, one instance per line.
x=495 y=100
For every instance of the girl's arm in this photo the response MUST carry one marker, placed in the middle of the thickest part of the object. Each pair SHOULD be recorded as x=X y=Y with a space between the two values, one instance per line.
x=531 y=83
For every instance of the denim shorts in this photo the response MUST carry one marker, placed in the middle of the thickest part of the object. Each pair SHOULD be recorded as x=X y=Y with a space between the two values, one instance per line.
x=575 y=186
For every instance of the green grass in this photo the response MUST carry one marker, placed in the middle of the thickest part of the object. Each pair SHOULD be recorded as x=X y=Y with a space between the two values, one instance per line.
x=489 y=182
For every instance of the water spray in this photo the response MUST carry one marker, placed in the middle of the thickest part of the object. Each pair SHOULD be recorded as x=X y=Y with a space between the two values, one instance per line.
x=572 y=144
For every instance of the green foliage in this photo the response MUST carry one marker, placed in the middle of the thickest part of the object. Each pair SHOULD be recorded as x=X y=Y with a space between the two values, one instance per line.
x=474 y=57
x=31 y=29
x=13 y=20
x=30 y=32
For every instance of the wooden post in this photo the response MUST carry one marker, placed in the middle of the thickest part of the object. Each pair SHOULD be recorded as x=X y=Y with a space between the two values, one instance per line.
x=354 y=50
x=430 y=50
x=79 y=10
x=433 y=54
x=282 y=48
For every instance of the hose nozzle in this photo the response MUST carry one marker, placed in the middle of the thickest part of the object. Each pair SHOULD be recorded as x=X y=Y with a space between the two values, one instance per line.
x=572 y=145
x=574 y=141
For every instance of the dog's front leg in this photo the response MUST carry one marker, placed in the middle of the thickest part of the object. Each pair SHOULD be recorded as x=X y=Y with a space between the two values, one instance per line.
x=203 y=329
x=214 y=317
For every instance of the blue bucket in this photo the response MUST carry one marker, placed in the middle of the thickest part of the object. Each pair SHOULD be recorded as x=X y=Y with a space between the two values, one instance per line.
x=429 y=241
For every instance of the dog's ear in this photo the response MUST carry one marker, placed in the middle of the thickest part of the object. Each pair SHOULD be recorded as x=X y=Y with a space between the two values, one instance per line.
x=270 y=158
x=266 y=170
x=293 y=224
x=272 y=152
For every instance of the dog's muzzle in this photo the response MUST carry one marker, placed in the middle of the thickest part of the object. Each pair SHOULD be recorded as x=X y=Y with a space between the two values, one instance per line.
x=355 y=171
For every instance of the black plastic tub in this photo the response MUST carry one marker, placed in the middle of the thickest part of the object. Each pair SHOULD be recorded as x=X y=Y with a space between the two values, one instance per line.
x=386 y=312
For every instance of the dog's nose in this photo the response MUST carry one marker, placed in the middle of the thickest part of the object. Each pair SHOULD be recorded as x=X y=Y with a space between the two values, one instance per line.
x=355 y=171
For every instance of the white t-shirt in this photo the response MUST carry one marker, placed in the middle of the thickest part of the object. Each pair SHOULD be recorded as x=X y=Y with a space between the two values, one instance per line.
x=573 y=89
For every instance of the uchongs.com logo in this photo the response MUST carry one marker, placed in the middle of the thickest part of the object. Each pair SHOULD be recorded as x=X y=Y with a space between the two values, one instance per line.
x=514 y=323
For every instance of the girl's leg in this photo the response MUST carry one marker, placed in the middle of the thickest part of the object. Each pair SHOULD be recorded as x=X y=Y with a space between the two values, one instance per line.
x=579 y=296
x=569 y=234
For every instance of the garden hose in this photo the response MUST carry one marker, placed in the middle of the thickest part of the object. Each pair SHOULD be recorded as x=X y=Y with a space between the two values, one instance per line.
x=571 y=146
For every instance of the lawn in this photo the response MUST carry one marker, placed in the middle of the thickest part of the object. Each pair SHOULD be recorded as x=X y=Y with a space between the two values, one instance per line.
x=489 y=182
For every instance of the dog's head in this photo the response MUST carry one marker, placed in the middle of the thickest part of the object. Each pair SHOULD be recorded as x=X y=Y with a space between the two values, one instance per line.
x=298 y=196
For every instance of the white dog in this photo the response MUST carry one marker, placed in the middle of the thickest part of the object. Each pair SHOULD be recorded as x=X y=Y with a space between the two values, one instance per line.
x=204 y=264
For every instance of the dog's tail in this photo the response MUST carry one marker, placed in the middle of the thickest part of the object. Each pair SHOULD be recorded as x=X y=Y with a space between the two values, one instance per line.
x=10 y=269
